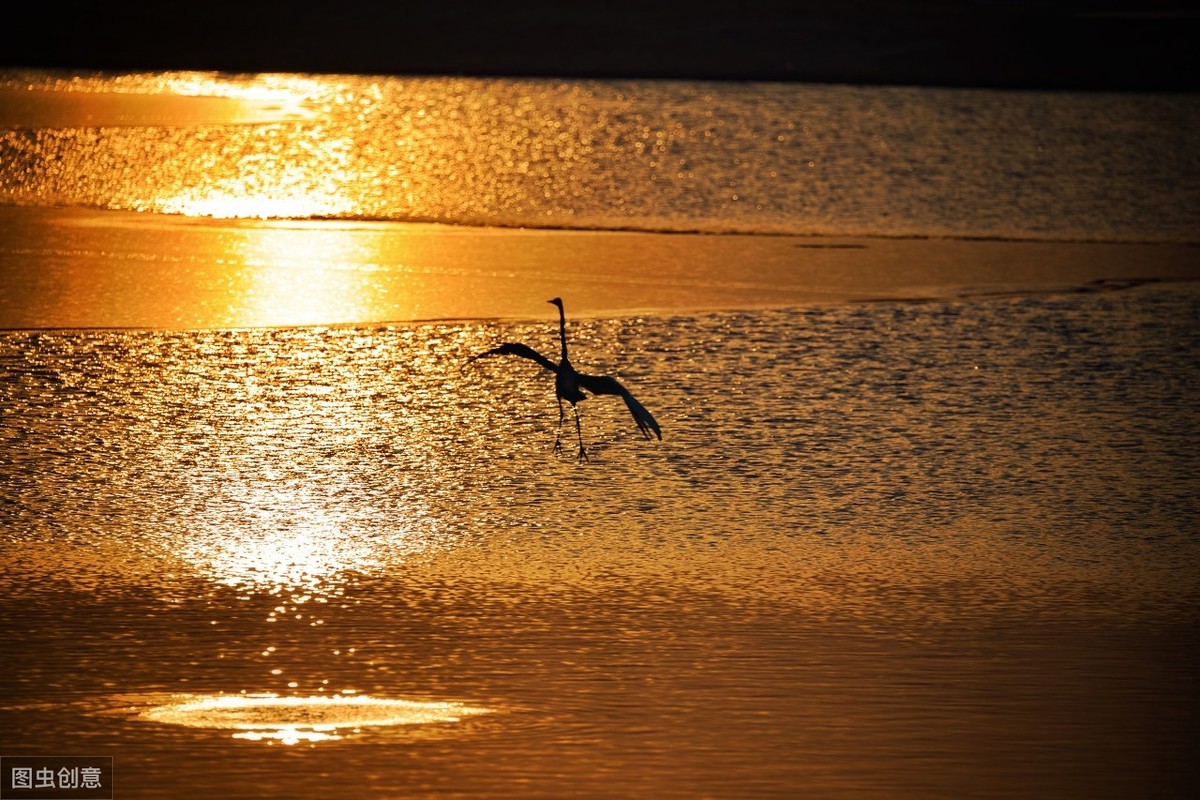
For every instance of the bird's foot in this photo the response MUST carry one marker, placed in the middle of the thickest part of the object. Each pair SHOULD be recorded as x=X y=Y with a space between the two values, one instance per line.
x=558 y=447
x=583 y=456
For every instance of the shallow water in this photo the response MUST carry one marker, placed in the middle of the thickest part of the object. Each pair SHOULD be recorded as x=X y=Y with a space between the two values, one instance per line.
x=891 y=549
x=616 y=155
x=934 y=547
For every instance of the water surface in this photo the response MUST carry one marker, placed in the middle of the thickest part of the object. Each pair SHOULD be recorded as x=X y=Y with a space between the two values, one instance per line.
x=883 y=550
x=922 y=523
x=613 y=155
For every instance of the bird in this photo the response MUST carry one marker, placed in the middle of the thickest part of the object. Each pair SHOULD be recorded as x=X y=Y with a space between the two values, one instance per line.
x=570 y=385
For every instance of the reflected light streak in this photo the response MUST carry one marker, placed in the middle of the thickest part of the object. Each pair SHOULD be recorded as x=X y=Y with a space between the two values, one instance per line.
x=292 y=92
x=280 y=496
x=291 y=720
x=299 y=556
x=283 y=90
x=264 y=187
x=321 y=273
x=242 y=202
x=287 y=173
x=286 y=538
x=184 y=100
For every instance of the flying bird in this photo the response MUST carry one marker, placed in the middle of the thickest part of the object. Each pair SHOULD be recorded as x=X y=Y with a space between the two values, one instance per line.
x=570 y=384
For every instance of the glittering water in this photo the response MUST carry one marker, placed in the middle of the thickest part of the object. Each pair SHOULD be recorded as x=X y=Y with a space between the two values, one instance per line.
x=607 y=154
x=883 y=550
x=922 y=523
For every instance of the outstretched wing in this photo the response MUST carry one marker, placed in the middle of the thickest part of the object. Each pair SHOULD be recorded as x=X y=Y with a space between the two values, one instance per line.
x=518 y=349
x=603 y=384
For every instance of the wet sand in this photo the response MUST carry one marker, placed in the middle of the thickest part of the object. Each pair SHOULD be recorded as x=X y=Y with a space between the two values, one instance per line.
x=73 y=268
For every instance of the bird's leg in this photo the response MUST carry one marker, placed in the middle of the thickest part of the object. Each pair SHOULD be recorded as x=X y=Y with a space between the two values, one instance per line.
x=579 y=432
x=558 y=433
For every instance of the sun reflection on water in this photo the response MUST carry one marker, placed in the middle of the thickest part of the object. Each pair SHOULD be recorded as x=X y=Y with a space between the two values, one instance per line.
x=295 y=168
x=321 y=273
x=291 y=91
x=291 y=720
x=265 y=184
x=238 y=200
x=303 y=550
x=269 y=518
x=291 y=463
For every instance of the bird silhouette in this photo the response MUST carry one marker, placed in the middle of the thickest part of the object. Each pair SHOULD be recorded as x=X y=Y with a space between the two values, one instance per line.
x=570 y=385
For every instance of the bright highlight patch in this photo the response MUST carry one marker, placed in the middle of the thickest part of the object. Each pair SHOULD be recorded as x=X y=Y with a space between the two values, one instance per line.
x=291 y=720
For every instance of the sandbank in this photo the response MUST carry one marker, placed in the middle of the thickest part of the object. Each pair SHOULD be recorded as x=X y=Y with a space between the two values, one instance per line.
x=78 y=268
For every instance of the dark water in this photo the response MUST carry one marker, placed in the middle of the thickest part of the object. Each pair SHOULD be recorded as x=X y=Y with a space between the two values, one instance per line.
x=888 y=549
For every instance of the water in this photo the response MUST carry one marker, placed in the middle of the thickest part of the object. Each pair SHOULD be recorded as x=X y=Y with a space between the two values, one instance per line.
x=883 y=550
x=612 y=155
x=933 y=545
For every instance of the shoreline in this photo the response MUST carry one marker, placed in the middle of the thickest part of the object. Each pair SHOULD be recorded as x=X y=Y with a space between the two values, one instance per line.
x=70 y=268
x=449 y=226
x=951 y=295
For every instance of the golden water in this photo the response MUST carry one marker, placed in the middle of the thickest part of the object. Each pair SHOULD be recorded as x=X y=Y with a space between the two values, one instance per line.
x=264 y=534
x=615 y=155
x=882 y=550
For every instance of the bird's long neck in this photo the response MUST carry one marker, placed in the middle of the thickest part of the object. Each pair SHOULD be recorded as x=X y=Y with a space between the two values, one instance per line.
x=562 y=331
